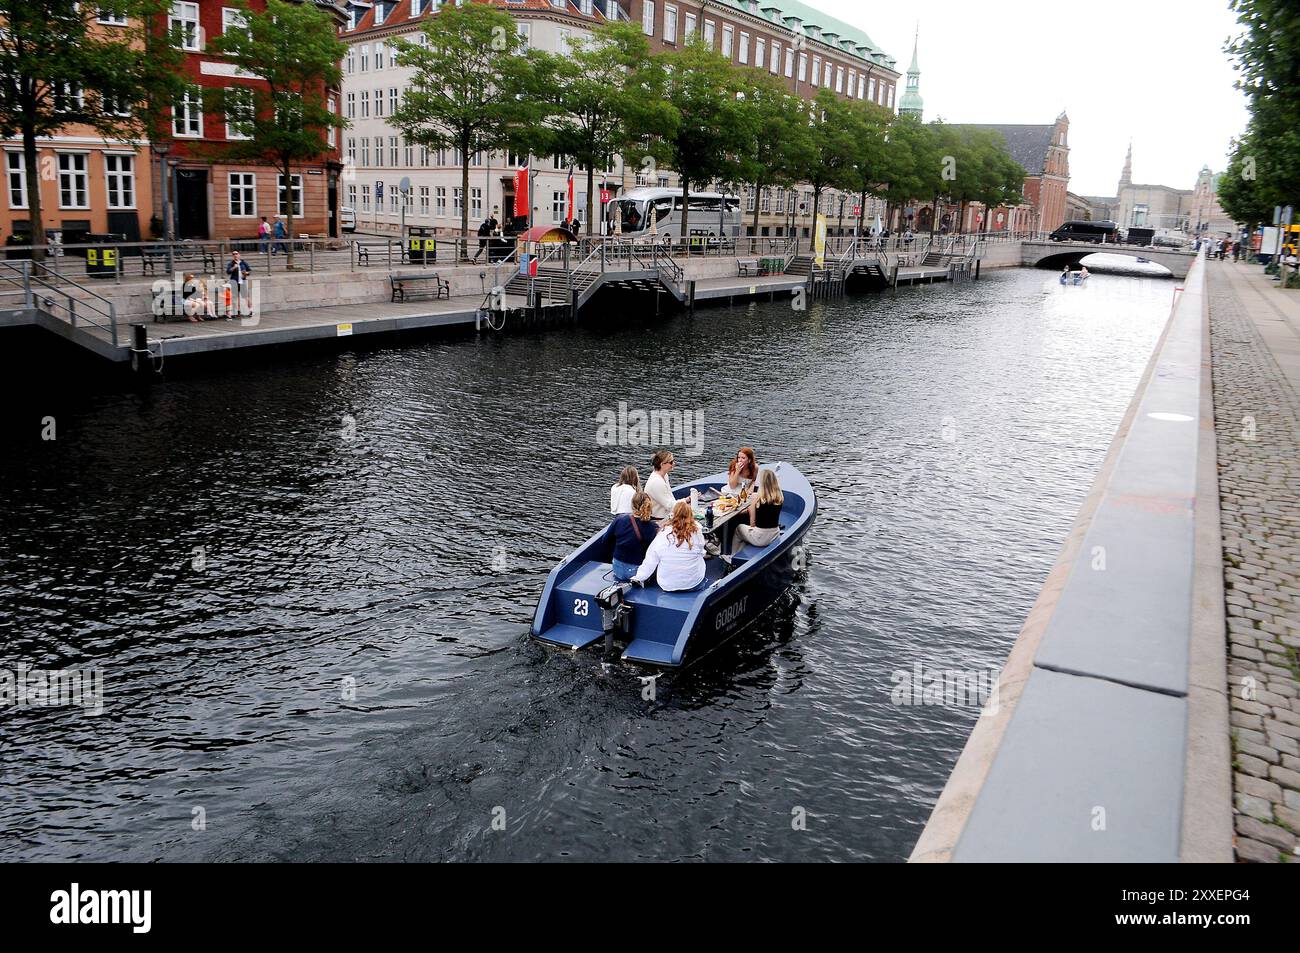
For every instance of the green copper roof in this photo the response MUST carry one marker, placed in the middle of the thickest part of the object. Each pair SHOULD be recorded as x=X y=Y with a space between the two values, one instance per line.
x=828 y=23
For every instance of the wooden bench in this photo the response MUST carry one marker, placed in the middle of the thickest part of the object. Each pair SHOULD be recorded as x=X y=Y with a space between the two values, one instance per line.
x=746 y=266
x=423 y=285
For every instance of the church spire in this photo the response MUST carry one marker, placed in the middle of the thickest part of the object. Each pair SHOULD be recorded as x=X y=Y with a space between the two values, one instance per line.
x=911 y=103
x=1126 y=177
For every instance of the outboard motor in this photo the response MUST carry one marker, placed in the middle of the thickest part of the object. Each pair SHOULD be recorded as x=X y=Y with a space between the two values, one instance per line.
x=615 y=612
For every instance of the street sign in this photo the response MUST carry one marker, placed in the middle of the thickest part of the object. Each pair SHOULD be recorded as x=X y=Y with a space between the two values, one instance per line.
x=405 y=185
x=857 y=210
x=379 y=190
x=604 y=195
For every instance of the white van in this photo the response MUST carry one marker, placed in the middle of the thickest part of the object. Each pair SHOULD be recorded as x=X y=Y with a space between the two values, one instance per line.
x=347 y=219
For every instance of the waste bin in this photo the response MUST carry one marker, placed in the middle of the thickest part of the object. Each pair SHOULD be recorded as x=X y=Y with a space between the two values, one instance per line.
x=101 y=256
x=420 y=248
x=499 y=248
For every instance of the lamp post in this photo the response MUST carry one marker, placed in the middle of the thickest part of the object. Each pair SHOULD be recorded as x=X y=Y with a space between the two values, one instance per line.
x=161 y=148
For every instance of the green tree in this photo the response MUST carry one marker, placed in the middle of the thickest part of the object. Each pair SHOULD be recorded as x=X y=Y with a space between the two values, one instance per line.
x=295 y=50
x=870 y=126
x=834 y=124
x=474 y=88
x=1245 y=189
x=780 y=143
x=63 y=68
x=907 y=164
x=605 y=97
x=708 y=128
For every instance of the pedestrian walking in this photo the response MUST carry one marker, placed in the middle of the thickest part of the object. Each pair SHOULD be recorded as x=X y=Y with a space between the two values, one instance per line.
x=281 y=233
x=264 y=235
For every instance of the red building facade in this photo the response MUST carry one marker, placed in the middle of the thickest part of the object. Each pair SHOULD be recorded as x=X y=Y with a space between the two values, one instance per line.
x=217 y=198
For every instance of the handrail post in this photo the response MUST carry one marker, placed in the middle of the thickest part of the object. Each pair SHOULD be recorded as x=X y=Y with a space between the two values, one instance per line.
x=112 y=322
x=311 y=257
x=27 y=283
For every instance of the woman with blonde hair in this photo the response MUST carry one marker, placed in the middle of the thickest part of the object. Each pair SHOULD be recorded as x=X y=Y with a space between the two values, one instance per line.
x=677 y=553
x=764 y=512
x=625 y=487
x=631 y=534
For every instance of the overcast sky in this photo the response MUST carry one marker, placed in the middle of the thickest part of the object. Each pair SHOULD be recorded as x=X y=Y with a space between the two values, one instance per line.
x=1152 y=71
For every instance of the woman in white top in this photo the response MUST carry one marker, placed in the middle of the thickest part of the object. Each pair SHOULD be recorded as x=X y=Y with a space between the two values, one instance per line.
x=657 y=488
x=621 y=493
x=676 y=555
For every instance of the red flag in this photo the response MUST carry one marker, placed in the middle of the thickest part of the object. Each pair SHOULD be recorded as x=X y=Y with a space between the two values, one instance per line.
x=573 y=212
x=521 y=192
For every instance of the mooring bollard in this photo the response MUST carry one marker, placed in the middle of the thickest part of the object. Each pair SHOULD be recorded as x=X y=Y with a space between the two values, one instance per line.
x=141 y=361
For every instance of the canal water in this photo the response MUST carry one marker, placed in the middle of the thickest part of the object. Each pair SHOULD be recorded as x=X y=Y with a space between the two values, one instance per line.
x=307 y=583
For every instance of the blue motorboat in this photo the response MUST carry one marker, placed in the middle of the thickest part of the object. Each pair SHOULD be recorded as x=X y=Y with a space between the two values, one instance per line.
x=582 y=604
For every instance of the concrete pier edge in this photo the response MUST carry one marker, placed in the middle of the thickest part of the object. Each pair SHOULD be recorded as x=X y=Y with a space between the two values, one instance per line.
x=1206 y=810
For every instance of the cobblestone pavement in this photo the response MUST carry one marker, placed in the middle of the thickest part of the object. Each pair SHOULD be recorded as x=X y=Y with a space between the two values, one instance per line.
x=1257 y=422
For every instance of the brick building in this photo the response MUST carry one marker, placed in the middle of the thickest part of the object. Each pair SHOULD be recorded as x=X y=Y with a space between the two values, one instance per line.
x=225 y=199
x=808 y=49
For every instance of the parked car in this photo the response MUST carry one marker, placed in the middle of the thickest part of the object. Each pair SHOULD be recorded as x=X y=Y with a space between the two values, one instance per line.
x=347 y=218
x=1140 y=236
x=1087 y=232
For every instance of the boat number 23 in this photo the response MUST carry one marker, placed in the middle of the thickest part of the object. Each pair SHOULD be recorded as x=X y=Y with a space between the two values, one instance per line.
x=581 y=607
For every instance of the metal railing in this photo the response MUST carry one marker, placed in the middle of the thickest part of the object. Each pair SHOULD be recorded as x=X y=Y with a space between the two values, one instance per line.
x=42 y=294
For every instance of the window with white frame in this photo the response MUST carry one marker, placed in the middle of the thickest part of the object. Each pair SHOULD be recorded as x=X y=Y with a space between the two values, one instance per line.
x=826 y=75
x=689 y=22
x=743 y=53
x=352 y=197
x=789 y=61
x=392 y=151
x=184 y=24
x=393 y=98
x=379 y=14
x=119 y=180
x=68 y=97
x=332 y=132
x=239 y=112
x=803 y=67
x=424 y=156
x=853 y=81
x=648 y=18
x=890 y=104
x=559 y=200
x=710 y=33
x=365 y=151
x=115 y=105
x=525 y=31
x=297 y=195
x=839 y=79
x=563 y=38
x=815 y=78
x=379 y=102
x=774 y=61
x=74 y=184
x=364 y=61
x=365 y=104
x=350 y=64
x=408 y=153
x=365 y=198
x=351 y=108
x=16 y=179
x=862 y=86
x=187 y=115
x=476 y=203
x=670 y=25
x=749 y=198
x=352 y=149
x=110 y=17
x=457 y=201
x=233 y=19
x=394 y=198
x=440 y=197
x=760 y=52
x=381 y=53
x=424 y=201
x=728 y=39
x=871 y=89
x=780 y=200
x=765 y=202
x=243 y=195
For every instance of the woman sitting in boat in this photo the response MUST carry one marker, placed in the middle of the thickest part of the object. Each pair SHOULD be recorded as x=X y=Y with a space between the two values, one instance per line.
x=677 y=553
x=764 y=512
x=657 y=488
x=632 y=533
x=742 y=472
x=627 y=486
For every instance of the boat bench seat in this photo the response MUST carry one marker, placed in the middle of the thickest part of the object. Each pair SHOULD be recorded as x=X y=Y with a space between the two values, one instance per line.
x=749 y=551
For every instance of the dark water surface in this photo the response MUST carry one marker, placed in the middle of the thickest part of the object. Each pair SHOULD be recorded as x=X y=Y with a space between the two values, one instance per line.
x=952 y=433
